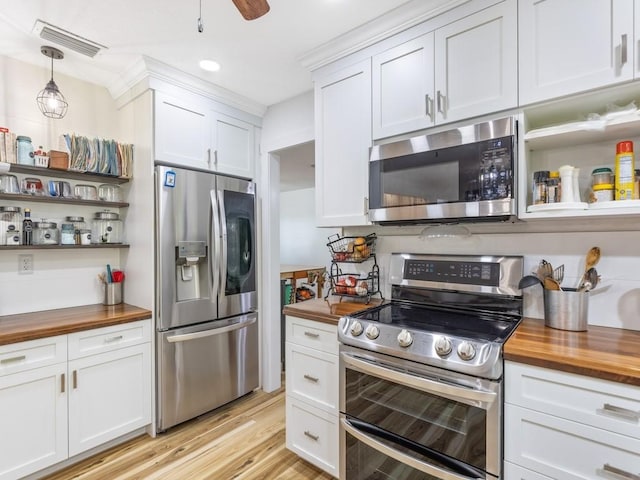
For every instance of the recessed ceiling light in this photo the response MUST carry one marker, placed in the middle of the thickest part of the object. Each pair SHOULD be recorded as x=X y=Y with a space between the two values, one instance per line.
x=209 y=65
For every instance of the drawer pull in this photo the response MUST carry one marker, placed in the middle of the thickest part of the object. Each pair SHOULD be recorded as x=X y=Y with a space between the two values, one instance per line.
x=75 y=379
x=311 y=379
x=62 y=382
x=13 y=359
x=622 y=413
x=113 y=339
x=613 y=473
x=311 y=334
x=313 y=437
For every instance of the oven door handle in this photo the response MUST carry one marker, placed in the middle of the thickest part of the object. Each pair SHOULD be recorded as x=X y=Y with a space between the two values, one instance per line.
x=421 y=383
x=409 y=460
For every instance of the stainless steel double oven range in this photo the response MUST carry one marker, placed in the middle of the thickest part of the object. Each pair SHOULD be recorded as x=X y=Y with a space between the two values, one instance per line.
x=421 y=389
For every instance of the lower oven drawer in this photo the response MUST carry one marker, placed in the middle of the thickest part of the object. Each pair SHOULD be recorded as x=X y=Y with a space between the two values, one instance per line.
x=313 y=434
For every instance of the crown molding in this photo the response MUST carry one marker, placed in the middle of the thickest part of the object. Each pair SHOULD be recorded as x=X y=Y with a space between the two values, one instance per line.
x=151 y=71
x=397 y=20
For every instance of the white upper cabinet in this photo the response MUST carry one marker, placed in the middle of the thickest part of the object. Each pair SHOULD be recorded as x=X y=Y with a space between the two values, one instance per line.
x=232 y=143
x=464 y=69
x=476 y=62
x=403 y=88
x=181 y=131
x=190 y=133
x=343 y=139
x=569 y=46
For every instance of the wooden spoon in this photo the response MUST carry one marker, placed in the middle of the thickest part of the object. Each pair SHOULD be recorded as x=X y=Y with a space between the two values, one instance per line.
x=593 y=257
x=551 y=284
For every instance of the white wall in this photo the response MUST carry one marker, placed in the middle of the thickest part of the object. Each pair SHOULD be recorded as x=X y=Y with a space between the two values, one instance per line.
x=614 y=303
x=61 y=278
x=301 y=242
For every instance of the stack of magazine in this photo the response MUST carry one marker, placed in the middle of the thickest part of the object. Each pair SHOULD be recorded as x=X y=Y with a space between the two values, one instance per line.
x=95 y=155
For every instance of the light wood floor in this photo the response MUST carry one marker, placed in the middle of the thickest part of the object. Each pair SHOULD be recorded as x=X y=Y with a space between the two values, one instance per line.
x=242 y=441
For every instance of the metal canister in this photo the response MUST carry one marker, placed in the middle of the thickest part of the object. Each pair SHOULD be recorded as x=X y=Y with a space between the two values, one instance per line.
x=106 y=228
x=10 y=221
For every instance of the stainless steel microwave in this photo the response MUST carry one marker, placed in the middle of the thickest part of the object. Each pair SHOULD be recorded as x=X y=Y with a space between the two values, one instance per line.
x=462 y=174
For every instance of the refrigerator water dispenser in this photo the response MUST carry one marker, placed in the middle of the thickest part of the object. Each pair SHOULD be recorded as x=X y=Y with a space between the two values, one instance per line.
x=191 y=270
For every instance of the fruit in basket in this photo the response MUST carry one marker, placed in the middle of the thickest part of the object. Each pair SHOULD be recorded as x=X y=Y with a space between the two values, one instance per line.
x=340 y=256
x=350 y=247
x=362 y=289
x=360 y=244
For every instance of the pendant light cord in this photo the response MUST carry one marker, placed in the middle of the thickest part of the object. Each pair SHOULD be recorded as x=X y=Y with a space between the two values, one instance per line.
x=200 y=25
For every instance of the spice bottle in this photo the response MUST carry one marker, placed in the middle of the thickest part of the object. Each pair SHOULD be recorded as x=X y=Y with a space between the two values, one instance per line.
x=27 y=228
x=540 y=187
x=553 y=187
x=625 y=171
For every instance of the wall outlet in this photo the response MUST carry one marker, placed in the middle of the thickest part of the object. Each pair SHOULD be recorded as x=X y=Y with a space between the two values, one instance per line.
x=25 y=264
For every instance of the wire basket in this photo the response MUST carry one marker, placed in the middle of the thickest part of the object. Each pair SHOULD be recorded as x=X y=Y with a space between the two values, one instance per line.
x=350 y=285
x=351 y=249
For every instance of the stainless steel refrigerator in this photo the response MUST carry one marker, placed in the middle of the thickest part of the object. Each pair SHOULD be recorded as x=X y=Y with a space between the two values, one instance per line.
x=206 y=298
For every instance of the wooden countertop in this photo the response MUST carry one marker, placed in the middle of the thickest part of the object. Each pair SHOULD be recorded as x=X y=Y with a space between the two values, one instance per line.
x=48 y=323
x=601 y=352
x=328 y=311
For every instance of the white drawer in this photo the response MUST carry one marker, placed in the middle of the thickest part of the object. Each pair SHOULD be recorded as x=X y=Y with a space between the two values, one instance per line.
x=21 y=356
x=106 y=339
x=312 y=376
x=318 y=335
x=313 y=434
x=516 y=472
x=565 y=450
x=575 y=397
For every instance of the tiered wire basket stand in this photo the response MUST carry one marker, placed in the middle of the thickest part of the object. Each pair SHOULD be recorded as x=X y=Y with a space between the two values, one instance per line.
x=345 y=281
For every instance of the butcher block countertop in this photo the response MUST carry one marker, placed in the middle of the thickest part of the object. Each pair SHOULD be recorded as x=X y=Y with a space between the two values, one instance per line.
x=601 y=352
x=606 y=353
x=48 y=323
x=327 y=311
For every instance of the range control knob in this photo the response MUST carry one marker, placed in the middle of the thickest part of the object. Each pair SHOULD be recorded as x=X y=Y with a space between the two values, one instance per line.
x=404 y=338
x=356 y=328
x=466 y=351
x=443 y=346
x=372 y=332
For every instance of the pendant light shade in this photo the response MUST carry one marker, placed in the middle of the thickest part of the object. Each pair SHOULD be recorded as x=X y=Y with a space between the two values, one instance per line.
x=50 y=100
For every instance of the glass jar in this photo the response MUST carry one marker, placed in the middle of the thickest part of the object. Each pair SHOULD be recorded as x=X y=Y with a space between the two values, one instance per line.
x=25 y=151
x=67 y=235
x=602 y=192
x=46 y=233
x=106 y=228
x=109 y=193
x=540 y=187
x=553 y=187
x=78 y=224
x=85 y=236
x=602 y=176
x=85 y=192
x=10 y=221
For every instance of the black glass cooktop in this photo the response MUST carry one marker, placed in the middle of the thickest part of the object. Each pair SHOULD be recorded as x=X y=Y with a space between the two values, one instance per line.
x=471 y=325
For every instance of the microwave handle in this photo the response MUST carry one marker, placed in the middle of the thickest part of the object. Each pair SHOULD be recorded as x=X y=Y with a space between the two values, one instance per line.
x=466 y=395
x=353 y=427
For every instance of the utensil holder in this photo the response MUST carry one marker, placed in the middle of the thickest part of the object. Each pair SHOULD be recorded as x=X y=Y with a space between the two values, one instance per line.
x=112 y=293
x=566 y=309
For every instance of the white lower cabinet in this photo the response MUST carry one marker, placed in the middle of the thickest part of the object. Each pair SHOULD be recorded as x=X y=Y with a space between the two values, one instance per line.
x=312 y=392
x=63 y=395
x=567 y=427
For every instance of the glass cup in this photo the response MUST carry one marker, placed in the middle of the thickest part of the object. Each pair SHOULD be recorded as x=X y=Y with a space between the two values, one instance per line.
x=109 y=193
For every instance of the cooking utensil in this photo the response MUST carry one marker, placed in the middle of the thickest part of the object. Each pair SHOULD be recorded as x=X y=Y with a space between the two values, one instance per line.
x=551 y=284
x=558 y=274
x=591 y=260
x=545 y=269
x=589 y=280
x=528 y=281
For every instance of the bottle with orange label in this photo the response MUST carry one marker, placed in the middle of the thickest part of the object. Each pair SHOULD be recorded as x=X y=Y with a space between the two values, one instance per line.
x=625 y=171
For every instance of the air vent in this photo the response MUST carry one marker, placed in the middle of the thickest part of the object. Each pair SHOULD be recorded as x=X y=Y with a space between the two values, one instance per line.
x=67 y=39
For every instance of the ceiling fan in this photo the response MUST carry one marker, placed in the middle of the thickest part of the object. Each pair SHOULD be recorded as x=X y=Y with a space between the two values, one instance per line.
x=252 y=9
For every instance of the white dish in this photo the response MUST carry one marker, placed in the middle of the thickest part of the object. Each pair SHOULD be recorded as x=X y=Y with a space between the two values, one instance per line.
x=557 y=206
x=615 y=204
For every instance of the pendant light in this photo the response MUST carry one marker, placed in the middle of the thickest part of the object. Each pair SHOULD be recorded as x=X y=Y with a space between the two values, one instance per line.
x=50 y=100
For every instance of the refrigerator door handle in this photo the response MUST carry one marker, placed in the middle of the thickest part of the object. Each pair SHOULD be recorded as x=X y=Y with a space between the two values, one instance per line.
x=214 y=253
x=209 y=333
x=223 y=243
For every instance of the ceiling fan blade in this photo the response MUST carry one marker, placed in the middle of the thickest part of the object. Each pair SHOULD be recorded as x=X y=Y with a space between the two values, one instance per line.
x=252 y=9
